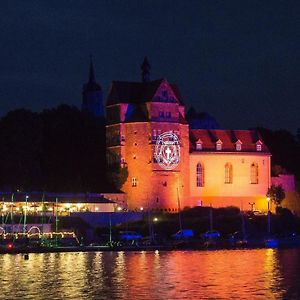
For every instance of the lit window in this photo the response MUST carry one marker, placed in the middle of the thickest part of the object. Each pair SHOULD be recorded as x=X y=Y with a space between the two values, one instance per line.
x=254 y=173
x=199 y=175
x=228 y=173
x=258 y=147
x=133 y=182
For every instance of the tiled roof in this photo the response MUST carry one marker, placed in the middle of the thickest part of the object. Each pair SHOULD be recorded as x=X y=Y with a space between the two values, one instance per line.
x=249 y=138
x=137 y=113
x=136 y=92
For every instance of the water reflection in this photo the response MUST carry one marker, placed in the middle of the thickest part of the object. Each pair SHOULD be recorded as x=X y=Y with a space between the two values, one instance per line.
x=240 y=274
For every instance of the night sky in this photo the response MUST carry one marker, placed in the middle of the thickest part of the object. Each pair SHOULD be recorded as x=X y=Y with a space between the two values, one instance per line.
x=237 y=60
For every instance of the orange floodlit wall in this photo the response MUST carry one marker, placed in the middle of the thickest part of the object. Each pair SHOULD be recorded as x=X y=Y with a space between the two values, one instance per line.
x=148 y=185
x=241 y=190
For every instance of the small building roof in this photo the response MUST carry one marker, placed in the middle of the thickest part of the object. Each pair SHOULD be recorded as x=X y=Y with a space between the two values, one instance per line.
x=229 y=138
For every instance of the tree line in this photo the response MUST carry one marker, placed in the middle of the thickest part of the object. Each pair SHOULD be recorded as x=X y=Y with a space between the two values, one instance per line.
x=60 y=150
x=63 y=150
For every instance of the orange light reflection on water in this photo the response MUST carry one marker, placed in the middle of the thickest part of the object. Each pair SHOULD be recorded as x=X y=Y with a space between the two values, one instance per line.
x=232 y=274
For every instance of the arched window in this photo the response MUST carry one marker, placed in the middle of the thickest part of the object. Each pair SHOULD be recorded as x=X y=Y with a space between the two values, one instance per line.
x=199 y=175
x=228 y=173
x=254 y=173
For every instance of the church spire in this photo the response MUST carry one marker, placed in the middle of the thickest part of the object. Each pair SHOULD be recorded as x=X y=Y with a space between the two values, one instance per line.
x=91 y=73
x=92 y=96
x=145 y=67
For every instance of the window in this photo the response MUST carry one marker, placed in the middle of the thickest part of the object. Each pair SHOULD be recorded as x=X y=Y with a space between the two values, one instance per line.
x=254 y=173
x=199 y=175
x=218 y=145
x=168 y=114
x=154 y=135
x=228 y=173
x=199 y=146
x=258 y=147
x=161 y=114
x=164 y=93
x=122 y=140
x=238 y=146
x=133 y=182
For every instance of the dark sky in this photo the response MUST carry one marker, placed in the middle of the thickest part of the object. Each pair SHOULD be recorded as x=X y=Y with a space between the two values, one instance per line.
x=237 y=60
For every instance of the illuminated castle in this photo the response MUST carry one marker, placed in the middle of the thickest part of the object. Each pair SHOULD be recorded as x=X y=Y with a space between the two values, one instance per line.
x=216 y=167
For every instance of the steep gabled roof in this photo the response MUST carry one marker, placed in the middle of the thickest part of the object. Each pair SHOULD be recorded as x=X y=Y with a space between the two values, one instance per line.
x=136 y=92
x=248 y=138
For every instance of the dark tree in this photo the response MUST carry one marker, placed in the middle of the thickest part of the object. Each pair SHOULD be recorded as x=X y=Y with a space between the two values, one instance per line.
x=61 y=149
x=73 y=150
x=116 y=174
x=285 y=150
x=20 y=151
x=276 y=194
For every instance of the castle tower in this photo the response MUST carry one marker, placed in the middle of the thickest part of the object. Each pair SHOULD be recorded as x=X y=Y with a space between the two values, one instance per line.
x=92 y=95
x=137 y=114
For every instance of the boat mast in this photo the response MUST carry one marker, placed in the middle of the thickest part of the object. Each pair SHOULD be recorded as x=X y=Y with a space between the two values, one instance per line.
x=12 y=210
x=56 y=220
x=25 y=214
x=43 y=208
x=179 y=210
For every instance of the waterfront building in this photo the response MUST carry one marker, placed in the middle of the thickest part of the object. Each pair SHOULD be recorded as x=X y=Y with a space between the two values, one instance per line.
x=216 y=167
x=63 y=204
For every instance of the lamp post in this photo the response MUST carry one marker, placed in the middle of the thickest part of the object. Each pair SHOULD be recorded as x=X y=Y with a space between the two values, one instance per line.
x=155 y=220
x=269 y=216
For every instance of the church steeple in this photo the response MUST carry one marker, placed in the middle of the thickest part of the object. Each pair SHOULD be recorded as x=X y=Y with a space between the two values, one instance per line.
x=92 y=96
x=92 y=73
x=145 y=67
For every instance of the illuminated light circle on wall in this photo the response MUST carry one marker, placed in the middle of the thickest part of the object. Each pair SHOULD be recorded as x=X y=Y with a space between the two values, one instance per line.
x=167 y=150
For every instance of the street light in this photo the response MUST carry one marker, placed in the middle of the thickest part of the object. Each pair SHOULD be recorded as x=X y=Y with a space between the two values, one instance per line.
x=269 y=215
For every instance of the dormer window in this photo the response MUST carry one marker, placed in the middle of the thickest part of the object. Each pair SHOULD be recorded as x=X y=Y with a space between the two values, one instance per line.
x=238 y=145
x=199 y=145
x=219 y=145
x=258 y=145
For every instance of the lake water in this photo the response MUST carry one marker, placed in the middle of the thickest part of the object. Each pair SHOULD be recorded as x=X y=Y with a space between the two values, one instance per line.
x=228 y=274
